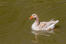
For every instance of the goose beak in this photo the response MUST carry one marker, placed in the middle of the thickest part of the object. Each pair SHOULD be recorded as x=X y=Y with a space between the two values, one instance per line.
x=31 y=17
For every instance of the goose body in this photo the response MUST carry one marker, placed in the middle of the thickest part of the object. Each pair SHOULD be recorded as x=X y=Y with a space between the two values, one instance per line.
x=42 y=26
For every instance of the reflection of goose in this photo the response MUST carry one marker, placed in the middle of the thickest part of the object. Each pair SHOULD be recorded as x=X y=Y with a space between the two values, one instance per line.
x=42 y=26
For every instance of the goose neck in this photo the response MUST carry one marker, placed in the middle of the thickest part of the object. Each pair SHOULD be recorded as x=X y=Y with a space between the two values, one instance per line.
x=37 y=21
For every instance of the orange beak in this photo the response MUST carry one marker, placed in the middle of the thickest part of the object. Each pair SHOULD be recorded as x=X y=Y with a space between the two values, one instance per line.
x=31 y=17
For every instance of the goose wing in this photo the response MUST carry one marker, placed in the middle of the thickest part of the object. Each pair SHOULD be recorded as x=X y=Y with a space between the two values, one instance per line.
x=48 y=25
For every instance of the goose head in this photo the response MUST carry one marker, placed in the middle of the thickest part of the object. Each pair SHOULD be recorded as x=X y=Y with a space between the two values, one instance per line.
x=34 y=16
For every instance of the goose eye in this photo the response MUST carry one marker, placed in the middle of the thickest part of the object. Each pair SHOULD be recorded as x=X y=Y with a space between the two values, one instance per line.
x=34 y=18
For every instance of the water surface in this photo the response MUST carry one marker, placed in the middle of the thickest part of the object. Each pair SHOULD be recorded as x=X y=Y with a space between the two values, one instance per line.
x=15 y=26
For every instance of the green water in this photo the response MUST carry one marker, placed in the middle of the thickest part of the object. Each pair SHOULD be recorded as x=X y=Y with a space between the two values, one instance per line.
x=15 y=26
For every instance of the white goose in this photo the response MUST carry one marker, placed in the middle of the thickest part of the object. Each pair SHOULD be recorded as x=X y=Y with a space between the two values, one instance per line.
x=38 y=27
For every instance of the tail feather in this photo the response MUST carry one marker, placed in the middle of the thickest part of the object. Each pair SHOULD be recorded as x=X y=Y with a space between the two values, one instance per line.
x=56 y=21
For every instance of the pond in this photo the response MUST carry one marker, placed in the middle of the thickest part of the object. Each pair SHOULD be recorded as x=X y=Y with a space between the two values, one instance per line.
x=15 y=26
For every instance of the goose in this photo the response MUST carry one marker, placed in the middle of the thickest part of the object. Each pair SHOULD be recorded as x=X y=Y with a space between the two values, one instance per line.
x=38 y=27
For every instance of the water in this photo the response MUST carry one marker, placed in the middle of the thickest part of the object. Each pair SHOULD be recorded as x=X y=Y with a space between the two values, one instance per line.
x=15 y=26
